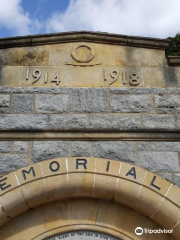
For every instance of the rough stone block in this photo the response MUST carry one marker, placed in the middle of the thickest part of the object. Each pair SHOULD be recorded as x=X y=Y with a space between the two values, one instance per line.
x=20 y=147
x=101 y=121
x=148 y=90
x=49 y=150
x=49 y=103
x=4 y=101
x=167 y=101
x=173 y=90
x=143 y=146
x=165 y=146
x=80 y=148
x=158 y=121
x=11 y=89
x=23 y=121
x=22 y=103
x=117 y=150
x=164 y=110
x=177 y=179
x=132 y=103
x=120 y=90
x=42 y=90
x=167 y=176
x=178 y=118
x=89 y=100
x=68 y=121
x=159 y=161
x=5 y=146
x=11 y=162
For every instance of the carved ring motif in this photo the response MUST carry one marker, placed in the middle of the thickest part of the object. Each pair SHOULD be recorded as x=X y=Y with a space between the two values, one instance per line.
x=88 y=58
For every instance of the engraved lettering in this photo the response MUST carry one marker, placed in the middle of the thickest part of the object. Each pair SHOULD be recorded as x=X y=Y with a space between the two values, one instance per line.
x=82 y=162
x=153 y=185
x=134 y=79
x=37 y=74
x=27 y=74
x=108 y=164
x=3 y=186
x=56 y=79
x=24 y=172
x=114 y=74
x=46 y=77
x=54 y=166
x=132 y=172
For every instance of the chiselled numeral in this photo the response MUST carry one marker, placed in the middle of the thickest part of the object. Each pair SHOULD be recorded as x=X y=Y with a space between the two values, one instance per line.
x=134 y=79
x=113 y=76
x=37 y=74
x=56 y=79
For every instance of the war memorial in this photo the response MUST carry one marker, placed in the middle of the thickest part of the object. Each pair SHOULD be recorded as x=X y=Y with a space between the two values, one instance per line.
x=89 y=138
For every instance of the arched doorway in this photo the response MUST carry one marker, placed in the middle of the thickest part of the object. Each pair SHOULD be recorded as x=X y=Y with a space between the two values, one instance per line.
x=101 y=195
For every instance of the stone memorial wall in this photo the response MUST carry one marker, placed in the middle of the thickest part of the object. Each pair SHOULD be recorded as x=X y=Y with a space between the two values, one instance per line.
x=87 y=94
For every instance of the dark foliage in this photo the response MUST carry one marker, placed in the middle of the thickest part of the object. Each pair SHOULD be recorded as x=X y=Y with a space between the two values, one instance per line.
x=174 y=47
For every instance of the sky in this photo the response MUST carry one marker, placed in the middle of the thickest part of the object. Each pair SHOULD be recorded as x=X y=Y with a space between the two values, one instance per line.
x=147 y=18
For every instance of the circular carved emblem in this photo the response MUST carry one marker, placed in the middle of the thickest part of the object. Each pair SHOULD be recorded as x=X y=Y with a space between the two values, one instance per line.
x=86 y=57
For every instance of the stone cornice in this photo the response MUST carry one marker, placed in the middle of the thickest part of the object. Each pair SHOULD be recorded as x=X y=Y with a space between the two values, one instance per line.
x=93 y=135
x=174 y=61
x=79 y=36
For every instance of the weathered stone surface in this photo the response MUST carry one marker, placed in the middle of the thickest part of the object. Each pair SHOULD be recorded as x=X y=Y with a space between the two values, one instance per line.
x=48 y=150
x=11 y=162
x=139 y=103
x=118 y=150
x=164 y=110
x=50 y=103
x=158 y=121
x=42 y=90
x=80 y=148
x=4 y=110
x=104 y=121
x=5 y=146
x=23 y=121
x=177 y=115
x=120 y=90
x=148 y=90
x=4 y=101
x=22 y=103
x=167 y=176
x=177 y=179
x=143 y=146
x=159 y=161
x=173 y=90
x=167 y=101
x=68 y=121
x=20 y=147
x=165 y=146
x=89 y=100
x=12 y=89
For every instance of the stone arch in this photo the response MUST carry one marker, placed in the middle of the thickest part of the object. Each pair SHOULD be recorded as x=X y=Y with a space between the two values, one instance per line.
x=94 y=178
